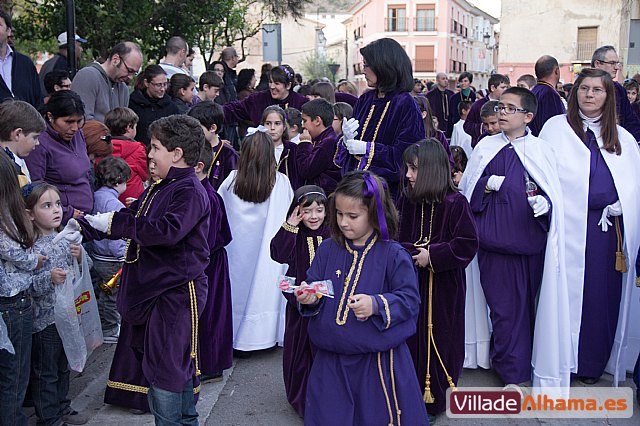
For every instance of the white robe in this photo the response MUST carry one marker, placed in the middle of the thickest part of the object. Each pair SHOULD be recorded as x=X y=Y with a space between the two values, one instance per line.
x=461 y=138
x=552 y=321
x=258 y=305
x=574 y=166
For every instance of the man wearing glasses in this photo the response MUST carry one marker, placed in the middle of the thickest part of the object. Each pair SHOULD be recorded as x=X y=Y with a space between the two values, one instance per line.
x=606 y=58
x=103 y=87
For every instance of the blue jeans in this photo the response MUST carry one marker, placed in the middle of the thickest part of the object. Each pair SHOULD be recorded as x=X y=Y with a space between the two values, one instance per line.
x=49 y=377
x=14 y=369
x=171 y=409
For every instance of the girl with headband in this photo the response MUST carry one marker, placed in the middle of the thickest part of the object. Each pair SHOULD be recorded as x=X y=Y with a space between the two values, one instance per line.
x=362 y=372
x=296 y=244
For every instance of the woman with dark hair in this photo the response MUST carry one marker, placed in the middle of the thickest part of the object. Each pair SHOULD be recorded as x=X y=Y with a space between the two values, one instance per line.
x=389 y=120
x=281 y=79
x=181 y=91
x=599 y=178
x=61 y=157
x=466 y=94
x=431 y=131
x=246 y=82
x=151 y=102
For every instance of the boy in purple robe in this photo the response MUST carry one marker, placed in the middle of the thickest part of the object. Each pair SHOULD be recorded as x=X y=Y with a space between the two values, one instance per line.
x=512 y=216
x=439 y=231
x=216 y=322
x=315 y=156
x=362 y=373
x=296 y=244
x=163 y=284
x=225 y=158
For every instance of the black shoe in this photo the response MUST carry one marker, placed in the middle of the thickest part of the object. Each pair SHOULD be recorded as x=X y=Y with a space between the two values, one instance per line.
x=589 y=380
x=211 y=378
x=242 y=354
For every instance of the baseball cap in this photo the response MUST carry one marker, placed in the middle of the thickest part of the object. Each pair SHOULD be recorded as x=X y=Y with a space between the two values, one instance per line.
x=62 y=39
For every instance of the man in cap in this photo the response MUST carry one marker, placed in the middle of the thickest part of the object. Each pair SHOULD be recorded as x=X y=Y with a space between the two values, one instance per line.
x=59 y=60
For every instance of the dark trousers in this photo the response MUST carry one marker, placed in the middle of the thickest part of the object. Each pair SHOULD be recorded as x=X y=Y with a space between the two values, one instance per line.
x=101 y=272
x=49 y=377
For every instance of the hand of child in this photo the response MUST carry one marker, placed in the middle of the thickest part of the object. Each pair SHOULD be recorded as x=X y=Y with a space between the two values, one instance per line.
x=129 y=200
x=296 y=217
x=58 y=275
x=361 y=305
x=76 y=251
x=41 y=260
x=305 y=136
x=305 y=298
x=422 y=259
x=100 y=221
x=457 y=177
x=77 y=213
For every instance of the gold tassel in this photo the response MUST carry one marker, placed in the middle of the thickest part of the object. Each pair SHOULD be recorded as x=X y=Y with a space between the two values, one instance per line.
x=428 y=396
x=621 y=259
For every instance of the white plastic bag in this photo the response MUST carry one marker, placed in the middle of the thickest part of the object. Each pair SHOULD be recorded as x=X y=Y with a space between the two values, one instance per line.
x=68 y=325
x=5 y=343
x=86 y=305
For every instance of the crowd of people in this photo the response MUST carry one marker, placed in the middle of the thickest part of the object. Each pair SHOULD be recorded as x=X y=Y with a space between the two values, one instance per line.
x=386 y=239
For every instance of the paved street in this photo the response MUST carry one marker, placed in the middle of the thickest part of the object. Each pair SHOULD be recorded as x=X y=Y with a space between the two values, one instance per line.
x=252 y=394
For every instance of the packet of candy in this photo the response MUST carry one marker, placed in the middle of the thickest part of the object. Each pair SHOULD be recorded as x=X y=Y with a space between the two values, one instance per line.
x=287 y=284
x=321 y=288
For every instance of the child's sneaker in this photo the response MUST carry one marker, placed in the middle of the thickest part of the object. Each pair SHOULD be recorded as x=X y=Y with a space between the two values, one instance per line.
x=112 y=338
x=75 y=418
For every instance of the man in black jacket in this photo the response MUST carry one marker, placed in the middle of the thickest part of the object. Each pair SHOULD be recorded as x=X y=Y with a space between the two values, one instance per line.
x=229 y=58
x=18 y=75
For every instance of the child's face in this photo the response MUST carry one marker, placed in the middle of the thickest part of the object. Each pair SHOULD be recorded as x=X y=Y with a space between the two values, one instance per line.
x=412 y=173
x=353 y=219
x=312 y=126
x=121 y=187
x=512 y=122
x=632 y=94
x=491 y=124
x=26 y=144
x=463 y=114
x=275 y=126
x=161 y=157
x=210 y=92
x=313 y=215
x=293 y=131
x=132 y=129
x=47 y=213
x=186 y=95
x=337 y=125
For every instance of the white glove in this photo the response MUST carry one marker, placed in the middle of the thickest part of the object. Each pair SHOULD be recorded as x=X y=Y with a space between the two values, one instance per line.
x=614 y=209
x=356 y=147
x=71 y=233
x=495 y=182
x=350 y=128
x=100 y=221
x=539 y=205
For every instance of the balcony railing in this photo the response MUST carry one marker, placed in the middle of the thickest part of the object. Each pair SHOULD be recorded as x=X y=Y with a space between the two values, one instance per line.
x=425 y=65
x=585 y=50
x=396 y=24
x=424 y=24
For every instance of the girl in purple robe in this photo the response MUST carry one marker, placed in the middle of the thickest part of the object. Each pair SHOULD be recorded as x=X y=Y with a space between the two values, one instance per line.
x=296 y=243
x=362 y=373
x=274 y=119
x=438 y=229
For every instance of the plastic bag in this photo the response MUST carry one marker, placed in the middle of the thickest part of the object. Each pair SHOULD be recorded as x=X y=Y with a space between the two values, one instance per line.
x=86 y=306
x=68 y=324
x=5 y=343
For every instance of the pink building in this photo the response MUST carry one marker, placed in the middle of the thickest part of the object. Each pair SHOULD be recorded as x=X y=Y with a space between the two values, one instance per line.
x=449 y=36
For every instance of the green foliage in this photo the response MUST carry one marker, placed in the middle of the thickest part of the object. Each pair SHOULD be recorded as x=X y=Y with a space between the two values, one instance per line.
x=317 y=66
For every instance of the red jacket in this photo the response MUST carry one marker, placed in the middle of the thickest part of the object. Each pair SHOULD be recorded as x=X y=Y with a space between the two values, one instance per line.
x=135 y=154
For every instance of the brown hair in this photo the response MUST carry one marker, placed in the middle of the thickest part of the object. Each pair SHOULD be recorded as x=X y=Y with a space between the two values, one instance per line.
x=14 y=220
x=423 y=106
x=118 y=119
x=32 y=193
x=354 y=186
x=98 y=139
x=256 y=175
x=434 y=172
x=283 y=115
x=609 y=119
x=19 y=114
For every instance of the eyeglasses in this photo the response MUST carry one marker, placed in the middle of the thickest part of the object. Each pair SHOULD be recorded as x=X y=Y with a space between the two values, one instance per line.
x=159 y=85
x=597 y=91
x=508 y=109
x=130 y=70
x=612 y=63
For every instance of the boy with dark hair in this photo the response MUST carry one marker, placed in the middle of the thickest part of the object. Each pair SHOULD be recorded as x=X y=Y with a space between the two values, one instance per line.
x=526 y=81
x=225 y=158
x=498 y=83
x=163 y=281
x=315 y=156
x=459 y=137
x=490 y=122
x=209 y=86
x=216 y=321
x=20 y=127
x=512 y=182
x=294 y=124
x=112 y=174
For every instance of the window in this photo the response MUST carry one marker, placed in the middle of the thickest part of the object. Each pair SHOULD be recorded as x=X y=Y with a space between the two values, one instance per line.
x=425 y=60
x=397 y=18
x=587 y=42
x=425 y=17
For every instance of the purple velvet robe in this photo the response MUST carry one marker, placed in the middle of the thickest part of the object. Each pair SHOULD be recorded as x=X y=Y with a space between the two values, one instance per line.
x=315 y=161
x=473 y=124
x=626 y=117
x=602 y=286
x=456 y=98
x=440 y=103
x=511 y=260
x=454 y=243
x=400 y=127
x=168 y=249
x=252 y=107
x=549 y=105
x=215 y=325
x=296 y=250
x=225 y=159
x=445 y=143
x=288 y=164
x=357 y=362
x=347 y=98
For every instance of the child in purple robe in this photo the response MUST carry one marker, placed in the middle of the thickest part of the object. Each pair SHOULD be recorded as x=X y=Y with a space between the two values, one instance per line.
x=225 y=158
x=295 y=244
x=216 y=322
x=438 y=229
x=274 y=119
x=163 y=283
x=362 y=373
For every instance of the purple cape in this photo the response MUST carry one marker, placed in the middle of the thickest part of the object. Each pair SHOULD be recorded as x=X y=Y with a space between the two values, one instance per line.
x=225 y=159
x=252 y=107
x=440 y=103
x=549 y=105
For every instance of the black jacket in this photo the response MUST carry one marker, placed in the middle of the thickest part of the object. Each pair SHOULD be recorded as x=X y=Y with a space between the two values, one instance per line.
x=24 y=81
x=149 y=110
